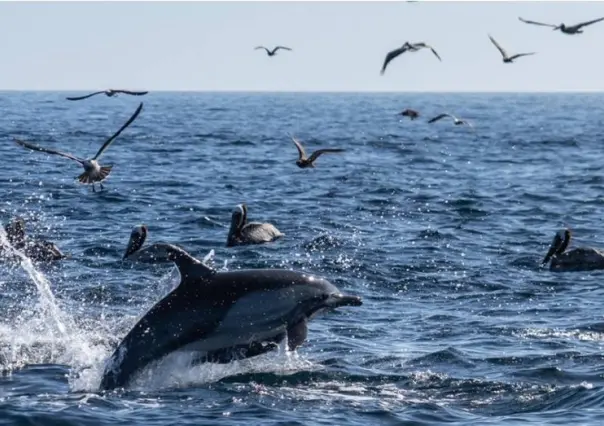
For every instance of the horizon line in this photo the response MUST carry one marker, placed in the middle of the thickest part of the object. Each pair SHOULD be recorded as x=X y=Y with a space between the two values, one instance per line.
x=312 y=91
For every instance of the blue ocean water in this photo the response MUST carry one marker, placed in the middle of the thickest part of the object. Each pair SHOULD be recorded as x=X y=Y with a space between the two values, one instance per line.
x=439 y=228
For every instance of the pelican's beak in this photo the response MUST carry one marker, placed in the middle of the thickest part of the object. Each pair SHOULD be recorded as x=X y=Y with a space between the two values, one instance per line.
x=552 y=249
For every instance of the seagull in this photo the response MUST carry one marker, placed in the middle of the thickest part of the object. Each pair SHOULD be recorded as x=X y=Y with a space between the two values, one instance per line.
x=272 y=52
x=111 y=93
x=456 y=121
x=411 y=47
x=93 y=171
x=411 y=113
x=508 y=59
x=304 y=161
x=572 y=29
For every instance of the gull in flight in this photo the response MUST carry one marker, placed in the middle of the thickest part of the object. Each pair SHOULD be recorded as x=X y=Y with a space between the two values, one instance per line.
x=304 y=161
x=93 y=171
x=111 y=93
x=456 y=121
x=571 y=29
x=506 y=58
x=407 y=47
x=272 y=52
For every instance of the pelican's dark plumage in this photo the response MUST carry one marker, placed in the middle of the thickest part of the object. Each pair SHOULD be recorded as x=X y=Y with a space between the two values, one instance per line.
x=35 y=248
x=272 y=52
x=578 y=259
x=110 y=93
x=406 y=47
x=411 y=113
x=456 y=121
x=570 y=29
x=507 y=58
x=303 y=161
x=243 y=232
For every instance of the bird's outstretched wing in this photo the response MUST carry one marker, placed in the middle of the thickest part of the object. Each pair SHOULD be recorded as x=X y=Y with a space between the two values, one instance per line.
x=438 y=117
x=501 y=49
x=47 y=150
x=116 y=134
x=427 y=46
x=584 y=24
x=391 y=55
x=281 y=47
x=128 y=92
x=262 y=47
x=318 y=152
x=526 y=21
x=519 y=55
x=301 y=152
x=79 y=98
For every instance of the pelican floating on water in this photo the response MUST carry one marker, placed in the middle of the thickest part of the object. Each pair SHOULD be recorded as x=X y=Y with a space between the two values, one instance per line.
x=411 y=113
x=110 y=93
x=243 y=232
x=578 y=259
x=407 y=47
x=272 y=52
x=506 y=58
x=35 y=249
x=303 y=161
x=572 y=29
x=93 y=171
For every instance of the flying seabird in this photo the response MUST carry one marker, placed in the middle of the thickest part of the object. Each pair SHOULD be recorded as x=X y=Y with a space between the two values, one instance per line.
x=93 y=171
x=110 y=92
x=456 y=120
x=304 y=161
x=411 y=47
x=573 y=29
x=508 y=59
x=578 y=259
x=411 y=113
x=272 y=52
x=243 y=232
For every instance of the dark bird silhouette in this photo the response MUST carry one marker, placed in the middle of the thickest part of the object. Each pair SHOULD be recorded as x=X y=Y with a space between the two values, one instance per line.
x=407 y=47
x=110 y=92
x=272 y=52
x=578 y=259
x=411 y=113
x=506 y=58
x=304 y=161
x=456 y=121
x=572 y=29
x=93 y=171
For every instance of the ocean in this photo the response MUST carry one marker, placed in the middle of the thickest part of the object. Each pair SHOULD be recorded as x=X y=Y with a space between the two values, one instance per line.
x=441 y=229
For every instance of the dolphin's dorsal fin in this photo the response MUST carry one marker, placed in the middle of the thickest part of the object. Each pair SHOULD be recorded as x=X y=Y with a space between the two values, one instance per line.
x=189 y=266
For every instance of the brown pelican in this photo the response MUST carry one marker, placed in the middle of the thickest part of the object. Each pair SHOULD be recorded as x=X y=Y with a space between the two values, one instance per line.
x=411 y=113
x=136 y=252
x=35 y=249
x=508 y=59
x=110 y=93
x=93 y=171
x=272 y=52
x=578 y=259
x=572 y=29
x=303 y=161
x=456 y=121
x=410 y=47
x=242 y=232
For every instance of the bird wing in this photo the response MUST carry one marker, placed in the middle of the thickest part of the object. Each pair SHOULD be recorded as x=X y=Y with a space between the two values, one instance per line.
x=318 y=152
x=79 y=98
x=281 y=47
x=393 y=54
x=438 y=117
x=584 y=24
x=426 y=46
x=501 y=49
x=116 y=134
x=536 y=23
x=47 y=150
x=519 y=55
x=262 y=47
x=434 y=51
x=301 y=151
x=128 y=92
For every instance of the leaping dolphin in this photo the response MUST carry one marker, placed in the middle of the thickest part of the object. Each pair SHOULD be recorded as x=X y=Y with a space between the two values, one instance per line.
x=222 y=316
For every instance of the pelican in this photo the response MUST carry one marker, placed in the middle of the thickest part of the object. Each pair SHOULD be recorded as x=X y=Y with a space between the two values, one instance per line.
x=578 y=259
x=303 y=161
x=506 y=58
x=456 y=121
x=243 y=232
x=572 y=29
x=411 y=113
x=110 y=93
x=152 y=253
x=35 y=249
x=411 y=47
x=272 y=52
x=93 y=171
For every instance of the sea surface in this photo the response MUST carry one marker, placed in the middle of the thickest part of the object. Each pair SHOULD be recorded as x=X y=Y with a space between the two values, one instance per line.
x=441 y=229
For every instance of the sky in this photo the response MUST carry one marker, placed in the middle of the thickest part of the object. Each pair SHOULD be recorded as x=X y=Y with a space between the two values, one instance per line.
x=337 y=46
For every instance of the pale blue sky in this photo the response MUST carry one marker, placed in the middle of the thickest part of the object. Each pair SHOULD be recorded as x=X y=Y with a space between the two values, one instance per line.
x=338 y=46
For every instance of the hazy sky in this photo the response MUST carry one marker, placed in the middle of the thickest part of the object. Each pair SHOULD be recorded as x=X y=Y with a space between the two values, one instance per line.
x=337 y=46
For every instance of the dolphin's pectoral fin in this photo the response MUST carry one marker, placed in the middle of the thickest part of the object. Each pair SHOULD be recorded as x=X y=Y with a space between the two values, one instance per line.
x=296 y=335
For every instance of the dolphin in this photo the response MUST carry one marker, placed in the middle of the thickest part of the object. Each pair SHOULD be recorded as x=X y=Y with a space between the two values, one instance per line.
x=221 y=316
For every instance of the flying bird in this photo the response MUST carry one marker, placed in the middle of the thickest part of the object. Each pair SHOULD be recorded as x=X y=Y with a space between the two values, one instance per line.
x=456 y=121
x=304 y=161
x=93 y=171
x=572 y=29
x=272 y=52
x=411 y=113
x=410 y=47
x=506 y=58
x=110 y=92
